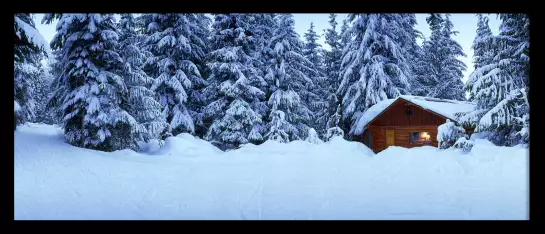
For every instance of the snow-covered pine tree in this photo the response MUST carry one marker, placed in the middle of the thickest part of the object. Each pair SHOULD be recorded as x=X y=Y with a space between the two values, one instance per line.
x=230 y=89
x=346 y=37
x=196 y=100
x=500 y=88
x=332 y=58
x=445 y=71
x=263 y=28
x=262 y=31
x=373 y=67
x=88 y=90
x=313 y=94
x=278 y=127
x=287 y=71
x=420 y=70
x=140 y=101
x=30 y=48
x=451 y=85
x=428 y=76
x=332 y=66
x=333 y=128
x=53 y=70
x=42 y=90
x=312 y=48
x=175 y=43
x=483 y=51
x=412 y=51
x=482 y=44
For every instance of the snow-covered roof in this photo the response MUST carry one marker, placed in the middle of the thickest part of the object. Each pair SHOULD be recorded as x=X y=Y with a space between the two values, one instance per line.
x=444 y=107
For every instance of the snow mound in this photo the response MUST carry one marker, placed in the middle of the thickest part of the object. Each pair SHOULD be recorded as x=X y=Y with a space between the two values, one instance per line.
x=337 y=147
x=298 y=180
x=184 y=144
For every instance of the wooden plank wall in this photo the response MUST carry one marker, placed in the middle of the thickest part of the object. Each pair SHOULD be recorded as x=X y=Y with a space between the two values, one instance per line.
x=402 y=135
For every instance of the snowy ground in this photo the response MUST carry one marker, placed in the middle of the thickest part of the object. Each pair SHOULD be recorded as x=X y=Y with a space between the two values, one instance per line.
x=190 y=179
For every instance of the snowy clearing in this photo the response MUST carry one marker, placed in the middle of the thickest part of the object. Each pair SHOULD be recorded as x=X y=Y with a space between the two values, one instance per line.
x=190 y=179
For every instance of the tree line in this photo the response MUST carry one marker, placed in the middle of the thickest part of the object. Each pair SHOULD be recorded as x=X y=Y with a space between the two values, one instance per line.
x=247 y=78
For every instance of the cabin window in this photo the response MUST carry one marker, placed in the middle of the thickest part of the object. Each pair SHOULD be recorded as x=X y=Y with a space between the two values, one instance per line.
x=420 y=138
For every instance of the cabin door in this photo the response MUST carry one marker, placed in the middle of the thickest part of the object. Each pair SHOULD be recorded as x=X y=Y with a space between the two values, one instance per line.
x=390 y=138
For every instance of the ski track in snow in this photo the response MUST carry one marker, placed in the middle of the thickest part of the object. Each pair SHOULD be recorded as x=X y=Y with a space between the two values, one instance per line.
x=341 y=180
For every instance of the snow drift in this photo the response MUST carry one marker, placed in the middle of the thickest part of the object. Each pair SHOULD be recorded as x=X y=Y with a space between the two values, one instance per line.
x=190 y=179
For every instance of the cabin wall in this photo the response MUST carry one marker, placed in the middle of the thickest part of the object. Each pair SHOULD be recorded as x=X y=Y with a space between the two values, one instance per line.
x=401 y=136
x=395 y=118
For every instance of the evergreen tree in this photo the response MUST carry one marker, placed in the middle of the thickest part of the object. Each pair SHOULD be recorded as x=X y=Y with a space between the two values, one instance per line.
x=332 y=58
x=312 y=48
x=413 y=52
x=278 y=127
x=196 y=99
x=42 y=91
x=230 y=87
x=314 y=93
x=288 y=68
x=482 y=44
x=140 y=100
x=451 y=85
x=373 y=67
x=429 y=76
x=500 y=88
x=333 y=128
x=175 y=43
x=52 y=71
x=30 y=48
x=88 y=91
x=332 y=65
x=444 y=71
x=346 y=37
x=262 y=32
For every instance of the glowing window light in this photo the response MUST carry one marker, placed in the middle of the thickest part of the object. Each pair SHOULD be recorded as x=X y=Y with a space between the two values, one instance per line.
x=425 y=135
x=420 y=138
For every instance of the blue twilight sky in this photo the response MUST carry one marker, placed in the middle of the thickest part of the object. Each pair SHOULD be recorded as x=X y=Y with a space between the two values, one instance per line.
x=465 y=24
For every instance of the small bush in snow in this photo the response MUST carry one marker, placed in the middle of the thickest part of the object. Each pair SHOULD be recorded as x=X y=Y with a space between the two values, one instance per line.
x=333 y=132
x=464 y=144
x=277 y=126
x=448 y=134
x=313 y=137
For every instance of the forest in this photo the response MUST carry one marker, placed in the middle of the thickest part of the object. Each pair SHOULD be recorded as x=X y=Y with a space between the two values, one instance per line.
x=233 y=79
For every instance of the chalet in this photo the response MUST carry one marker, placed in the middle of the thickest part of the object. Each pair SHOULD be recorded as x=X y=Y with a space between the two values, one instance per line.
x=407 y=121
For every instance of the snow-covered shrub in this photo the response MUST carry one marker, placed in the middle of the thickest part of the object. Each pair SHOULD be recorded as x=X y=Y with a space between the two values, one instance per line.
x=448 y=134
x=333 y=132
x=313 y=137
x=277 y=126
x=464 y=144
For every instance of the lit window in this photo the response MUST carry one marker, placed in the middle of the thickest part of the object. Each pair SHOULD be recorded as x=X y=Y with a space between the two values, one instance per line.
x=420 y=138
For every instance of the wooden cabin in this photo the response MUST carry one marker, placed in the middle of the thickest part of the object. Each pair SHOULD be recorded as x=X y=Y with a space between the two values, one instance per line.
x=407 y=121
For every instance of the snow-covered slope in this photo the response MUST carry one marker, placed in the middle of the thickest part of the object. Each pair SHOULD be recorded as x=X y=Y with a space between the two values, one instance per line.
x=189 y=179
